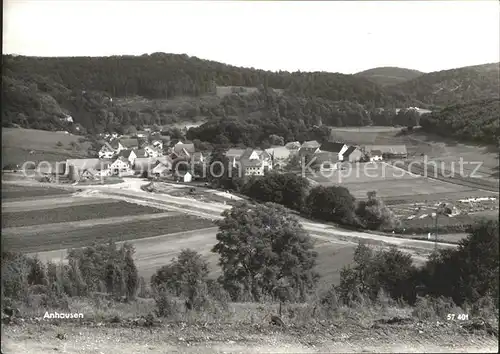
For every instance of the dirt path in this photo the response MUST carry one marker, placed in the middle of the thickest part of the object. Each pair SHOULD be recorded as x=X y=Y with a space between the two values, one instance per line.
x=121 y=340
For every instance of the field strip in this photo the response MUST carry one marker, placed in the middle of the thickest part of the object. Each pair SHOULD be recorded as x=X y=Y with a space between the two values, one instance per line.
x=72 y=225
x=49 y=203
x=309 y=226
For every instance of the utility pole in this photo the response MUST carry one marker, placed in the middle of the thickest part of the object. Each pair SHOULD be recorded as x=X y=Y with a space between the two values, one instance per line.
x=436 y=231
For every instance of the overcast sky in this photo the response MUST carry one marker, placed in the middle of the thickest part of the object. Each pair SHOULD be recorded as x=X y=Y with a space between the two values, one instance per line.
x=332 y=36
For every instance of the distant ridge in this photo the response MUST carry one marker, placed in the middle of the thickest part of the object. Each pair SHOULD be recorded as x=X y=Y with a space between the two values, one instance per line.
x=389 y=75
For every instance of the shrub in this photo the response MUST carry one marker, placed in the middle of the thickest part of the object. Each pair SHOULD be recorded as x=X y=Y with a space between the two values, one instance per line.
x=331 y=204
x=183 y=276
x=374 y=214
x=166 y=306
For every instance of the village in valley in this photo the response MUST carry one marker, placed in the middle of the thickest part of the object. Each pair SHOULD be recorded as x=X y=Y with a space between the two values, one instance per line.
x=149 y=154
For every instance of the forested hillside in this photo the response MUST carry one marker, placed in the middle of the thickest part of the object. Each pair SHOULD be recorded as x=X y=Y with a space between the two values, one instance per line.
x=449 y=87
x=476 y=121
x=115 y=93
x=163 y=75
x=389 y=75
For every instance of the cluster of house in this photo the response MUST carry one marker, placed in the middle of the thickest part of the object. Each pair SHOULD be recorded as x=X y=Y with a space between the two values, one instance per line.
x=134 y=156
x=328 y=155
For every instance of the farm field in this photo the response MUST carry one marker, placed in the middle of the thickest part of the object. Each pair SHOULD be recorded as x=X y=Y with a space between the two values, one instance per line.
x=73 y=213
x=387 y=181
x=40 y=240
x=435 y=148
x=39 y=145
x=10 y=191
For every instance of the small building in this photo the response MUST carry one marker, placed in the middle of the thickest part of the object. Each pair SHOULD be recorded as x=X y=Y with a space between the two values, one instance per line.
x=157 y=144
x=160 y=170
x=129 y=155
x=198 y=157
x=183 y=150
x=188 y=177
x=152 y=151
x=141 y=153
x=352 y=154
x=334 y=147
x=121 y=166
x=234 y=155
x=388 y=151
x=279 y=155
x=293 y=145
x=130 y=143
x=310 y=144
x=325 y=161
x=375 y=155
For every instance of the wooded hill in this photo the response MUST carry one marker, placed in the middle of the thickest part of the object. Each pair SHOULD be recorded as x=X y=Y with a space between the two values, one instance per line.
x=450 y=87
x=476 y=121
x=102 y=93
x=389 y=75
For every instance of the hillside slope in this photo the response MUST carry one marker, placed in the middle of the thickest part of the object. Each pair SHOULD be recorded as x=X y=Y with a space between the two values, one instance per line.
x=453 y=86
x=161 y=75
x=389 y=75
x=476 y=121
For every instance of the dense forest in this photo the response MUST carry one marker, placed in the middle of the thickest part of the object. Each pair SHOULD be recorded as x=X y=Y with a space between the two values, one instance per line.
x=476 y=121
x=116 y=93
x=163 y=75
x=449 y=87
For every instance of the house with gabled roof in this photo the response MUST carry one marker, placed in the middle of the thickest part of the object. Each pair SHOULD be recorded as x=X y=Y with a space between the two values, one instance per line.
x=130 y=143
x=293 y=145
x=255 y=162
x=310 y=144
x=388 y=151
x=152 y=151
x=121 y=166
x=325 y=161
x=129 y=155
x=334 y=147
x=106 y=152
x=141 y=153
x=352 y=154
x=157 y=144
x=160 y=170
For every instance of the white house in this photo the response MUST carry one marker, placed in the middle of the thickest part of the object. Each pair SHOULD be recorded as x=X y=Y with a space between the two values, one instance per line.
x=255 y=162
x=106 y=152
x=161 y=170
x=151 y=151
x=157 y=144
x=188 y=177
x=129 y=155
x=121 y=166
x=376 y=155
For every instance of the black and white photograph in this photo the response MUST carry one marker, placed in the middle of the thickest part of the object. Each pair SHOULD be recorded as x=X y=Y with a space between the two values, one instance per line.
x=250 y=176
